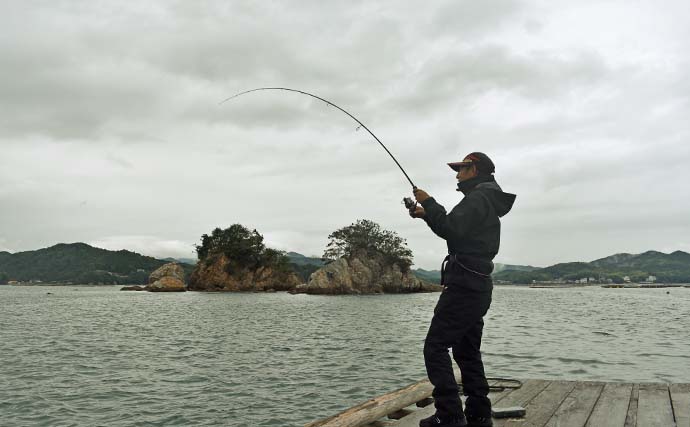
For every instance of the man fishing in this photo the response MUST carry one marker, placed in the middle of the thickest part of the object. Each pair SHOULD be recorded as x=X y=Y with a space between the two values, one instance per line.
x=472 y=232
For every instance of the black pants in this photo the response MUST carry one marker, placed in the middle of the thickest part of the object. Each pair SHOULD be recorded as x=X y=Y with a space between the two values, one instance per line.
x=457 y=324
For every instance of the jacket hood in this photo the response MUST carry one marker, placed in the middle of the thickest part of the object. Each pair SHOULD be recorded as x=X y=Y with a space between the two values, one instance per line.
x=502 y=202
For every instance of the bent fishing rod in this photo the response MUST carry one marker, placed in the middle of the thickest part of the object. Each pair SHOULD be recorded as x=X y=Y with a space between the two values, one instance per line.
x=408 y=202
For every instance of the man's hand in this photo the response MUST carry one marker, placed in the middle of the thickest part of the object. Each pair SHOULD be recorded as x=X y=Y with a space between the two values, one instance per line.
x=420 y=195
x=417 y=212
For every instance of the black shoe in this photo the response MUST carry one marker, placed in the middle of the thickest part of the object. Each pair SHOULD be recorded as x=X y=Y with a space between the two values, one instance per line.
x=479 y=421
x=435 y=421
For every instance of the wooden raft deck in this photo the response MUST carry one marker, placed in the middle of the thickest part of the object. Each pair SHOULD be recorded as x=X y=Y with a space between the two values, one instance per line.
x=548 y=404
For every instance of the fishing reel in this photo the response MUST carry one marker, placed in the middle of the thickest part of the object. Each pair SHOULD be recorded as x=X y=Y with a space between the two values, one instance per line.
x=409 y=203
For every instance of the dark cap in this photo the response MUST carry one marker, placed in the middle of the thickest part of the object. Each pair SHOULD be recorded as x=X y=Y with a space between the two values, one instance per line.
x=481 y=160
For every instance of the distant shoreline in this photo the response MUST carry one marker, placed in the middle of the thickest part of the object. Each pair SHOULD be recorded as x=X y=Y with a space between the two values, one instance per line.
x=610 y=286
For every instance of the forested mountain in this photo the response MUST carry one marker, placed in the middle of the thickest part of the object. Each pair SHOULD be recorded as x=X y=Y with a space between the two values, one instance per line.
x=434 y=276
x=80 y=263
x=304 y=266
x=299 y=259
x=77 y=263
x=667 y=268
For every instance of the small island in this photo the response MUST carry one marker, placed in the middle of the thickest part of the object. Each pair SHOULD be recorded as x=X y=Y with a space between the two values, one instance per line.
x=361 y=258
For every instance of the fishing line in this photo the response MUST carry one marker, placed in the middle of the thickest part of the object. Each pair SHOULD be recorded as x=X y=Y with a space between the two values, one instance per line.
x=361 y=125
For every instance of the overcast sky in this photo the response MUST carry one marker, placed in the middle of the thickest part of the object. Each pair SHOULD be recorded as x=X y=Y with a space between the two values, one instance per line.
x=111 y=132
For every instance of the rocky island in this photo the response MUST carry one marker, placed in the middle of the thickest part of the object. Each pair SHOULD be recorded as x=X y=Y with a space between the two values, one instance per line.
x=235 y=259
x=363 y=274
x=220 y=273
x=167 y=278
x=361 y=259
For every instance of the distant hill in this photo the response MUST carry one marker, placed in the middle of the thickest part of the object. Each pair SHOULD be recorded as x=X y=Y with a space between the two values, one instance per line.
x=434 y=276
x=304 y=266
x=299 y=259
x=190 y=261
x=78 y=263
x=667 y=268
x=498 y=267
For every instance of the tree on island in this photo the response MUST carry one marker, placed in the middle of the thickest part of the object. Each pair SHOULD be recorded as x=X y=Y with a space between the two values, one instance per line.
x=3 y=278
x=366 y=236
x=243 y=247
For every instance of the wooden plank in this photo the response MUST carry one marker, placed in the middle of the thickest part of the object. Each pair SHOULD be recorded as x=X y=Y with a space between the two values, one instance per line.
x=542 y=407
x=379 y=407
x=612 y=407
x=497 y=394
x=520 y=397
x=680 y=398
x=654 y=406
x=412 y=420
x=577 y=406
x=631 y=417
x=548 y=403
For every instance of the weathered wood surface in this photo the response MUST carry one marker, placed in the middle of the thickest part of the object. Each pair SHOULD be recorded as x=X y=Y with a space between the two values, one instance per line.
x=412 y=420
x=373 y=410
x=654 y=406
x=548 y=404
x=577 y=406
x=631 y=417
x=680 y=397
x=523 y=395
x=612 y=406
x=496 y=395
x=379 y=407
x=543 y=405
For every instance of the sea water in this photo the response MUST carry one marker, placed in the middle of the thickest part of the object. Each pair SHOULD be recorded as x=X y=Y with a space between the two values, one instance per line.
x=90 y=356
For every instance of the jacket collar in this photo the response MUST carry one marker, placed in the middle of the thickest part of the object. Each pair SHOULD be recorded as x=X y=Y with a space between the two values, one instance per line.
x=467 y=186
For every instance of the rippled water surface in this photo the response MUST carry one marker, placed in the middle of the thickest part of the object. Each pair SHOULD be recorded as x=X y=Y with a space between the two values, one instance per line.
x=92 y=356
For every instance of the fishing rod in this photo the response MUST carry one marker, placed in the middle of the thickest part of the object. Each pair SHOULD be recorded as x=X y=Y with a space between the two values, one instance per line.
x=406 y=200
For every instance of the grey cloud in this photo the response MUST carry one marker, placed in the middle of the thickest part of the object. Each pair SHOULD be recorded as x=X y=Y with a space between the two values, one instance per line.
x=468 y=72
x=116 y=104
x=131 y=66
x=466 y=17
x=117 y=77
x=119 y=161
x=66 y=99
x=533 y=26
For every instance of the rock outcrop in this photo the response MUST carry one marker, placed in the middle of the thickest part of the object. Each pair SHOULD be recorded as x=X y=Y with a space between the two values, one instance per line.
x=363 y=274
x=171 y=269
x=167 y=278
x=133 y=288
x=219 y=273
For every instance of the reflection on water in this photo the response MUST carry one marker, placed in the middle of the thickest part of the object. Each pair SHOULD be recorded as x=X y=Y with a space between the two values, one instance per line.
x=90 y=356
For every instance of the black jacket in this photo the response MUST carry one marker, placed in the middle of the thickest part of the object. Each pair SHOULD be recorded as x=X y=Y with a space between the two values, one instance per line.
x=472 y=229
